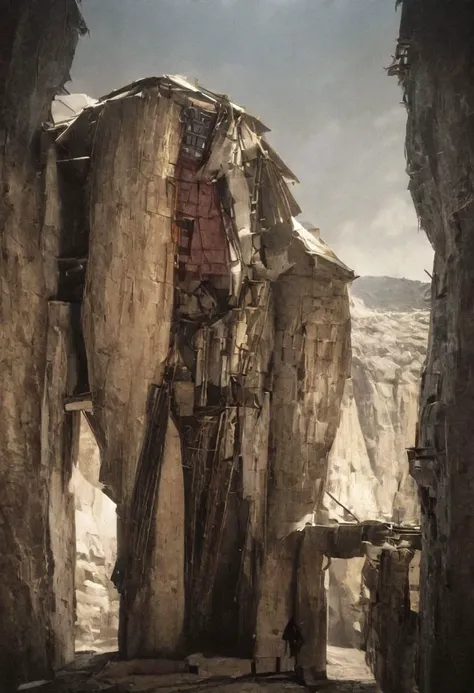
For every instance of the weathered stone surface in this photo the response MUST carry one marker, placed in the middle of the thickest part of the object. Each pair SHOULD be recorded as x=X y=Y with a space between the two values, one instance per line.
x=59 y=445
x=368 y=462
x=163 y=602
x=128 y=297
x=435 y=67
x=311 y=610
x=212 y=321
x=392 y=618
x=311 y=363
x=37 y=46
x=96 y=552
x=368 y=469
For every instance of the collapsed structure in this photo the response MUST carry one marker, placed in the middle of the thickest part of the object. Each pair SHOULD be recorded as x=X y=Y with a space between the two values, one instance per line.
x=205 y=334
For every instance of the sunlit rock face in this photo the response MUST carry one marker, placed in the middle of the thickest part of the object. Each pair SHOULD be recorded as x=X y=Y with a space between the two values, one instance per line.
x=96 y=547
x=368 y=470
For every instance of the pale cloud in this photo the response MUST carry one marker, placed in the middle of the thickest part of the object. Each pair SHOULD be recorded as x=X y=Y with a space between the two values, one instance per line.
x=389 y=254
x=395 y=217
x=394 y=118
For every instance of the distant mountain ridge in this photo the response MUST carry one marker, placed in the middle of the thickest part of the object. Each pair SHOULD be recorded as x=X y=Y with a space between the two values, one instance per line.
x=392 y=294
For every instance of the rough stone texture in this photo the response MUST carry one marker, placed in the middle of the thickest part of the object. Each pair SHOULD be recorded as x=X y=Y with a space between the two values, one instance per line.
x=392 y=618
x=59 y=439
x=37 y=44
x=392 y=294
x=97 y=599
x=368 y=462
x=311 y=360
x=436 y=72
x=128 y=297
x=162 y=609
x=129 y=287
x=212 y=320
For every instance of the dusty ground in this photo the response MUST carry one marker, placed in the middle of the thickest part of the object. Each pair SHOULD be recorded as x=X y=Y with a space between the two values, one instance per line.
x=90 y=674
x=349 y=672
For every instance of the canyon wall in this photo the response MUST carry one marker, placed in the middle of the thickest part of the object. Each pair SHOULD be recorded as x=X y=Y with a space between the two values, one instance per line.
x=368 y=463
x=38 y=39
x=434 y=62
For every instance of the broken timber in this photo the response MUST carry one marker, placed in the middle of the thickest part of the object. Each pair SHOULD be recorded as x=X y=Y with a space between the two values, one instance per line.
x=356 y=540
x=79 y=403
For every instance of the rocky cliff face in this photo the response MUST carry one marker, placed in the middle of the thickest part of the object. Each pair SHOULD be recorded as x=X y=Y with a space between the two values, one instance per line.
x=368 y=463
x=211 y=353
x=368 y=466
x=97 y=601
x=434 y=63
x=37 y=47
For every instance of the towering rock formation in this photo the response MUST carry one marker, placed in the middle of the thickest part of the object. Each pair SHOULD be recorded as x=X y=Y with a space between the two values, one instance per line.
x=205 y=335
x=434 y=63
x=38 y=39
x=368 y=470
x=389 y=339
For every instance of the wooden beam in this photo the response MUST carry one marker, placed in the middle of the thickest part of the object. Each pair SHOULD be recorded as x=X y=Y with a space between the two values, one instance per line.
x=79 y=403
x=350 y=540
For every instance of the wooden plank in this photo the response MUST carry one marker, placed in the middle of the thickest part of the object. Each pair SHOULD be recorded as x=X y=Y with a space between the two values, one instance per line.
x=80 y=403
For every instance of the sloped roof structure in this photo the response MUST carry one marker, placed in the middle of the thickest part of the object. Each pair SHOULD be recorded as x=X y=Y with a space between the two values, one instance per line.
x=223 y=141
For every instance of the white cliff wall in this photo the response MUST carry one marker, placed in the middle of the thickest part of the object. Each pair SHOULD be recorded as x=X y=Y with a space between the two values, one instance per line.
x=97 y=601
x=368 y=471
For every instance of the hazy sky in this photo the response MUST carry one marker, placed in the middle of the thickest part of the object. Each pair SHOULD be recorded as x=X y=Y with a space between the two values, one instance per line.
x=313 y=70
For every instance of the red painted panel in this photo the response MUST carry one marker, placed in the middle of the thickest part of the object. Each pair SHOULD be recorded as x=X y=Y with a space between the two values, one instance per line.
x=209 y=255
